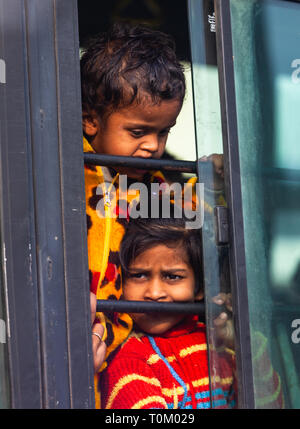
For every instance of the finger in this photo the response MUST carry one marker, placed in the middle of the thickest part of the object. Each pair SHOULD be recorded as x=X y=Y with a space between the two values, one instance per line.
x=217 y=300
x=93 y=304
x=99 y=347
x=228 y=302
x=224 y=298
x=99 y=329
x=99 y=357
x=221 y=320
x=220 y=298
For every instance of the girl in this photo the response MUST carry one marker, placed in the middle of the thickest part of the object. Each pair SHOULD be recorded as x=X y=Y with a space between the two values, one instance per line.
x=163 y=363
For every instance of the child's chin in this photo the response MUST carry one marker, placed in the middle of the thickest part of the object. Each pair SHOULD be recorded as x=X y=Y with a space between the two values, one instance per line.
x=157 y=327
x=133 y=173
x=137 y=174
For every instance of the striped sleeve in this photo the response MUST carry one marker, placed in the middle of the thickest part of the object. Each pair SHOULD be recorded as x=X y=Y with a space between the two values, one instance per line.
x=130 y=384
x=268 y=388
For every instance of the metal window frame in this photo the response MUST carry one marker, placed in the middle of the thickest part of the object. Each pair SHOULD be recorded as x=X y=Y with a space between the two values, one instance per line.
x=43 y=221
x=145 y=163
x=235 y=205
x=234 y=201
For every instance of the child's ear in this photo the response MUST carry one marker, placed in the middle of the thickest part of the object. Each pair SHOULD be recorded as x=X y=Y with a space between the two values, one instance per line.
x=199 y=296
x=90 y=124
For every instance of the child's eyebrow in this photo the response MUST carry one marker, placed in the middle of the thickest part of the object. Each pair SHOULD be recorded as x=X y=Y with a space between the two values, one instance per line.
x=164 y=270
x=146 y=125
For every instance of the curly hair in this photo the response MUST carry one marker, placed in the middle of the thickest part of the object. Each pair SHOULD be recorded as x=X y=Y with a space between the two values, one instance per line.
x=126 y=64
x=144 y=233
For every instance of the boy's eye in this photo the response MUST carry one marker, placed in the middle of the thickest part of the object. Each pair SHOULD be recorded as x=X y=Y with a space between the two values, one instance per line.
x=141 y=133
x=137 y=133
x=165 y=132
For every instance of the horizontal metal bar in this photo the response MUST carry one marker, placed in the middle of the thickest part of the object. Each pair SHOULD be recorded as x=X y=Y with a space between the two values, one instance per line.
x=141 y=163
x=107 y=305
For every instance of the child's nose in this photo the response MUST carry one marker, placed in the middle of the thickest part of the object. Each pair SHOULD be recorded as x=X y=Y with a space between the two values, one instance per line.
x=151 y=144
x=155 y=290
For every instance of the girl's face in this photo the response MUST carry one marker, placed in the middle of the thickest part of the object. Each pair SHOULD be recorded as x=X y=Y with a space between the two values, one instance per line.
x=160 y=274
x=138 y=130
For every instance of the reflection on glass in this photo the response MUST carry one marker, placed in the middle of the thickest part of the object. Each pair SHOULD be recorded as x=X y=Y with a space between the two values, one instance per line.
x=266 y=50
x=209 y=141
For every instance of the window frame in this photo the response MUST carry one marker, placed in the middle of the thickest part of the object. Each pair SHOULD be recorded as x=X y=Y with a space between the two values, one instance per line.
x=50 y=359
x=235 y=207
x=43 y=222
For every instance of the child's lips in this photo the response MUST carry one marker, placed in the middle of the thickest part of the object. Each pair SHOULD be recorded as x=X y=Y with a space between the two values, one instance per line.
x=140 y=171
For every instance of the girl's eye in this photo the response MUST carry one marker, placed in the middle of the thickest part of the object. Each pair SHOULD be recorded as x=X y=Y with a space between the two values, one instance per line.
x=170 y=276
x=137 y=275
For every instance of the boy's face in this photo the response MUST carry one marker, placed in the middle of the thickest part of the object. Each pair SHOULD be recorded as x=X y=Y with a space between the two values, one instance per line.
x=160 y=274
x=138 y=130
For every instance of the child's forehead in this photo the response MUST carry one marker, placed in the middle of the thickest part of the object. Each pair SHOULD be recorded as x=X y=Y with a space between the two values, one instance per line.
x=173 y=253
x=149 y=110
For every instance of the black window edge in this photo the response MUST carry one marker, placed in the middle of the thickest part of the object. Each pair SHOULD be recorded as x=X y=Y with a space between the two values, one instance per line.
x=43 y=222
x=235 y=207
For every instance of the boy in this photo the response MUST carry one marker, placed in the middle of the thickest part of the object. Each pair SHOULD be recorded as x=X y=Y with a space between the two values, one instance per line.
x=132 y=91
x=163 y=363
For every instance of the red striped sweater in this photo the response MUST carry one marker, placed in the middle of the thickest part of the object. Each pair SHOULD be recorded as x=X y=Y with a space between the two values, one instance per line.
x=138 y=377
x=171 y=371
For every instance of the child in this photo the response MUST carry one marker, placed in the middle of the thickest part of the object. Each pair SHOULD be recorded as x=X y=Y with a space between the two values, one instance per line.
x=163 y=363
x=132 y=91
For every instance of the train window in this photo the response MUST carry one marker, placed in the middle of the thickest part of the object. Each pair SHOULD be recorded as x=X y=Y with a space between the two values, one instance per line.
x=267 y=89
x=194 y=20
x=241 y=106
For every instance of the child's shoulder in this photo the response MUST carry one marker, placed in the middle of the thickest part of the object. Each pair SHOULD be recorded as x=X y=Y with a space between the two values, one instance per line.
x=135 y=346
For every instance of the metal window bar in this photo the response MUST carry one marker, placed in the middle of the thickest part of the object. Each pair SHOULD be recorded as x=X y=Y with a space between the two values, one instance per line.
x=108 y=305
x=145 y=164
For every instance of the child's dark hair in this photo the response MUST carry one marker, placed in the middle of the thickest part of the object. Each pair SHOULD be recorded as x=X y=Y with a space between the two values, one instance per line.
x=127 y=63
x=144 y=233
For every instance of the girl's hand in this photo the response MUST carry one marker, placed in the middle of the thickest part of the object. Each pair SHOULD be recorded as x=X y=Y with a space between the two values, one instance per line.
x=99 y=346
x=217 y=181
x=223 y=323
